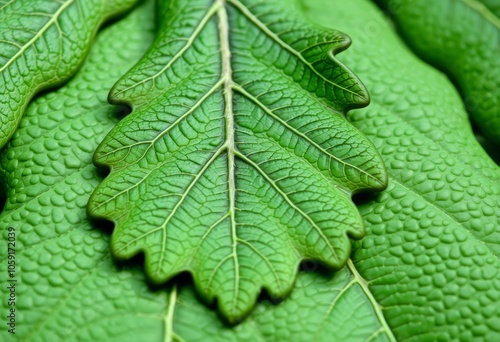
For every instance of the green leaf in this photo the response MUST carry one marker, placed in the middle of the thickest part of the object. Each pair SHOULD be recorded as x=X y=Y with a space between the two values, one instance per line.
x=322 y=307
x=236 y=162
x=71 y=290
x=460 y=37
x=42 y=43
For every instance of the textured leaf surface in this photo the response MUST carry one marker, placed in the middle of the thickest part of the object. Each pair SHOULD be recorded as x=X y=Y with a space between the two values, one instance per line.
x=231 y=166
x=431 y=253
x=70 y=288
x=42 y=43
x=460 y=37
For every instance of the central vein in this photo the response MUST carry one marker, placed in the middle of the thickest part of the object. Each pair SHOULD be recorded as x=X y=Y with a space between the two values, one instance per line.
x=229 y=119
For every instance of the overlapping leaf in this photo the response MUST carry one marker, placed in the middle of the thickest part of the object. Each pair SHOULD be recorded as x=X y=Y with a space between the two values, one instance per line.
x=423 y=257
x=42 y=43
x=493 y=6
x=460 y=37
x=236 y=162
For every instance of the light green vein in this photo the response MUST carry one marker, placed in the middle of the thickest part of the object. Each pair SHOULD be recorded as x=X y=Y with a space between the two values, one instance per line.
x=40 y=33
x=169 y=317
x=285 y=196
x=229 y=116
x=213 y=9
x=285 y=46
x=375 y=305
x=483 y=11
x=163 y=227
x=300 y=134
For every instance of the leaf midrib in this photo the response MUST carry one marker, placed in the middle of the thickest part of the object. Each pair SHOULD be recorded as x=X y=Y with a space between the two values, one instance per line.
x=216 y=8
x=228 y=86
x=229 y=117
x=376 y=306
x=169 y=315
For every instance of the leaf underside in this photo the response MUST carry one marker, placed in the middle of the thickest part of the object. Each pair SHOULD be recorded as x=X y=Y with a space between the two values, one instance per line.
x=42 y=43
x=236 y=162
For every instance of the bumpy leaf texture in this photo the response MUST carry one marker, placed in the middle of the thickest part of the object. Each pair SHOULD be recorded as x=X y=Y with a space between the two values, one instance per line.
x=462 y=38
x=42 y=43
x=237 y=162
x=68 y=286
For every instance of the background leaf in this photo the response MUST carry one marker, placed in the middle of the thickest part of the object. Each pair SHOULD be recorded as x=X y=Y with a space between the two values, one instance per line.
x=231 y=166
x=105 y=302
x=492 y=5
x=460 y=37
x=42 y=43
x=69 y=287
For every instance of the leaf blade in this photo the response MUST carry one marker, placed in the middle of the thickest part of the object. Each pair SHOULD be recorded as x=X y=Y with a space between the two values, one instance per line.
x=71 y=288
x=180 y=191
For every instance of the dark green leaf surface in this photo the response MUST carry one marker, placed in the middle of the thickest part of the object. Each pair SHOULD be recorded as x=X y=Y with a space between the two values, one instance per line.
x=330 y=307
x=462 y=38
x=426 y=267
x=42 y=43
x=231 y=165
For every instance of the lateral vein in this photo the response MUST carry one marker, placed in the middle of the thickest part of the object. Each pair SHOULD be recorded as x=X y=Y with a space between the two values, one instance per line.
x=269 y=112
x=483 y=11
x=53 y=20
x=284 y=45
x=376 y=307
x=213 y=9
